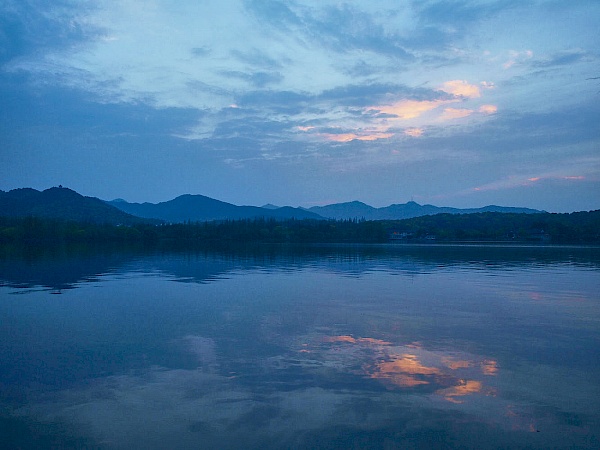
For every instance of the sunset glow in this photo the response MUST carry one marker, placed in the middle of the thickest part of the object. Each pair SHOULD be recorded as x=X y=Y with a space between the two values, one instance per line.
x=410 y=109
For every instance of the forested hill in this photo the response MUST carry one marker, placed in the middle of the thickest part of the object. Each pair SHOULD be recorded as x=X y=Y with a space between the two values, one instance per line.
x=64 y=204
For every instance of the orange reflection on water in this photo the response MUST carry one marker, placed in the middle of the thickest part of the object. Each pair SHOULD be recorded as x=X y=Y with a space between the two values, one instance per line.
x=449 y=375
x=408 y=363
x=373 y=341
x=406 y=371
x=348 y=339
x=351 y=340
x=455 y=364
x=489 y=367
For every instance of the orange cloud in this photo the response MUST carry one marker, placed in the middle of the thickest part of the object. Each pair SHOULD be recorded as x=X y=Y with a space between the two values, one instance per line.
x=488 y=109
x=455 y=113
x=347 y=137
x=301 y=128
x=461 y=88
x=410 y=109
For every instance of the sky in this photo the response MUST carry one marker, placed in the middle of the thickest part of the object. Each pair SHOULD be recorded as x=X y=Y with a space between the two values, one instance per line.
x=304 y=103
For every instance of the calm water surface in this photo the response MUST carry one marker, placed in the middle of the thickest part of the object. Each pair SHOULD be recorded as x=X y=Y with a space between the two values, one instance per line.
x=283 y=347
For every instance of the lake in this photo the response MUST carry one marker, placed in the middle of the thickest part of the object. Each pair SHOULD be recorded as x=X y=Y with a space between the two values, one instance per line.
x=389 y=346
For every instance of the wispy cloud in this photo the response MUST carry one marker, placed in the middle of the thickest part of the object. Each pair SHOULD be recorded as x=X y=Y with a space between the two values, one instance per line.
x=517 y=57
x=455 y=113
x=513 y=182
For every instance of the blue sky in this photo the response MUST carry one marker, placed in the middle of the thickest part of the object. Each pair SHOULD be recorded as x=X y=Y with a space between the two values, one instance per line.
x=303 y=103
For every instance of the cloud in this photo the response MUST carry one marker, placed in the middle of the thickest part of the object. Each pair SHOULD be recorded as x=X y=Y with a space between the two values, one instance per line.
x=414 y=132
x=563 y=58
x=514 y=181
x=461 y=14
x=461 y=88
x=441 y=23
x=517 y=57
x=35 y=27
x=409 y=109
x=274 y=12
x=342 y=28
x=200 y=51
x=488 y=109
x=366 y=94
x=257 y=58
x=347 y=137
x=455 y=113
x=256 y=79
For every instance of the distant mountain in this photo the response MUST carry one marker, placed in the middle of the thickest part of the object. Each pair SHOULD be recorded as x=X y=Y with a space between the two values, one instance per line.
x=198 y=208
x=359 y=210
x=349 y=210
x=270 y=206
x=61 y=203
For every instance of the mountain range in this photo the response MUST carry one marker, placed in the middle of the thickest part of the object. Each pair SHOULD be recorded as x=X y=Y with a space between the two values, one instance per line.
x=64 y=203
x=359 y=210
x=198 y=208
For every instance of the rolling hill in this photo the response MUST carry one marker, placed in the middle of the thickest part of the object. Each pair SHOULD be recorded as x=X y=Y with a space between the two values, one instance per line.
x=199 y=208
x=61 y=203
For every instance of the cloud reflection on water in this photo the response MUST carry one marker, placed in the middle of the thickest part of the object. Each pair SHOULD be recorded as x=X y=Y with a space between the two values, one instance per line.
x=411 y=366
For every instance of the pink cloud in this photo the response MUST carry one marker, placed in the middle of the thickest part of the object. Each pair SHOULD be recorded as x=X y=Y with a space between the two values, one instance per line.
x=488 y=109
x=461 y=88
x=347 y=137
x=410 y=109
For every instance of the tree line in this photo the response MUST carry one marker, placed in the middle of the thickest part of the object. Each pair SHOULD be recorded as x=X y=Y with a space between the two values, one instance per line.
x=581 y=227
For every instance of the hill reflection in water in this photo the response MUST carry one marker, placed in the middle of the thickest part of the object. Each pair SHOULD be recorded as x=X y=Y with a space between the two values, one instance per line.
x=64 y=267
